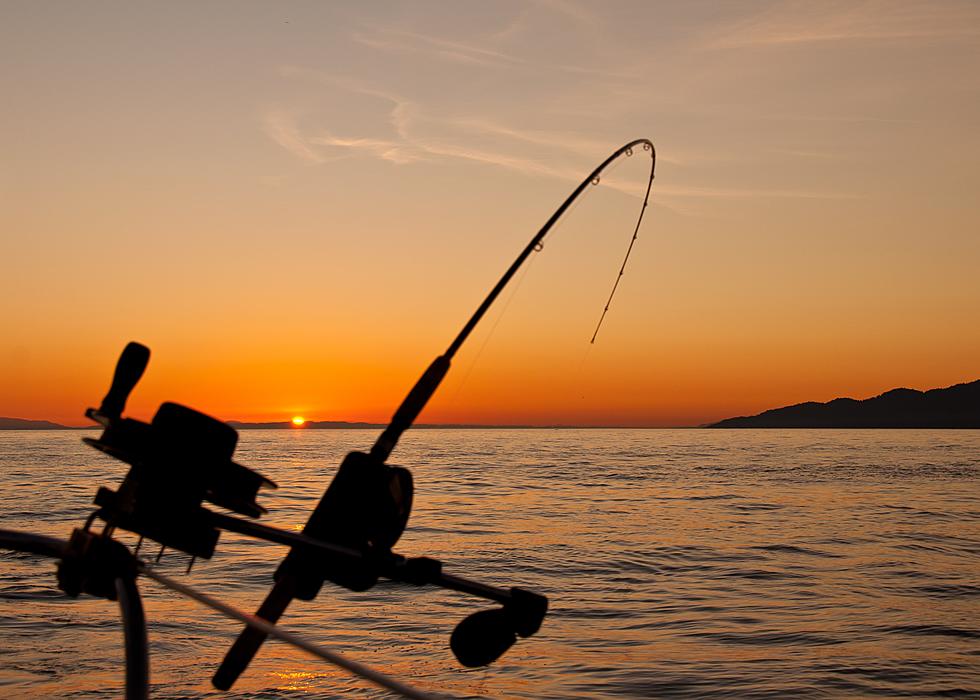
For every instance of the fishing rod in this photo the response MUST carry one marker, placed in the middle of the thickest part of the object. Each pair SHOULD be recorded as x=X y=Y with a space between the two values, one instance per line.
x=182 y=458
x=365 y=484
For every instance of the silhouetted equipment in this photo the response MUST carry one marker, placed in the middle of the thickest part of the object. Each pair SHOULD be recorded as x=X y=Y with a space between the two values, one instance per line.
x=177 y=461
x=480 y=640
x=484 y=636
x=366 y=507
x=102 y=567
x=130 y=367
x=183 y=458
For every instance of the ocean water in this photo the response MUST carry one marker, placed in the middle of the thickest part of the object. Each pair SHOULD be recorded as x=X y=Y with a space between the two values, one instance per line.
x=678 y=563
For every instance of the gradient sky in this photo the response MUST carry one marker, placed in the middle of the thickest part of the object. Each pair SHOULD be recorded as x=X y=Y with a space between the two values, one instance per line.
x=297 y=205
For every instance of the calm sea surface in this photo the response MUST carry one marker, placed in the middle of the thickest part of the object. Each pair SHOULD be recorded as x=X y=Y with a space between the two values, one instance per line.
x=679 y=563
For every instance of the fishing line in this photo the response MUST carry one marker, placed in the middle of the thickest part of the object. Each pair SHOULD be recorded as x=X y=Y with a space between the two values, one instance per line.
x=419 y=395
x=565 y=216
x=622 y=268
x=490 y=333
x=535 y=244
x=354 y=667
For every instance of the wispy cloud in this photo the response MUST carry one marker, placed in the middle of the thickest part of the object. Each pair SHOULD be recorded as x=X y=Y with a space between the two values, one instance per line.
x=729 y=193
x=459 y=52
x=574 y=12
x=795 y=22
x=281 y=128
x=525 y=166
x=408 y=142
x=415 y=136
x=836 y=119
x=392 y=151
x=551 y=139
x=481 y=54
x=811 y=154
x=406 y=149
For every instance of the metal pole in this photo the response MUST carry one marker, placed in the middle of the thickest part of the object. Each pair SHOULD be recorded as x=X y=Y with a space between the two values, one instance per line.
x=271 y=630
x=134 y=637
x=32 y=544
x=130 y=605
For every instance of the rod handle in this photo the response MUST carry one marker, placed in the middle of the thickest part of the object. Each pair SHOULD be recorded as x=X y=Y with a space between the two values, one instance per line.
x=130 y=367
x=411 y=407
x=247 y=645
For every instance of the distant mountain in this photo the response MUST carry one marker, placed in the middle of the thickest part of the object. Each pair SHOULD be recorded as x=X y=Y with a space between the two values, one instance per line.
x=22 y=424
x=953 y=407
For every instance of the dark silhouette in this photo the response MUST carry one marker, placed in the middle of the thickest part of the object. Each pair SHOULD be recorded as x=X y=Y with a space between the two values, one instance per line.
x=345 y=425
x=953 y=407
x=182 y=460
x=24 y=424
x=366 y=506
x=365 y=481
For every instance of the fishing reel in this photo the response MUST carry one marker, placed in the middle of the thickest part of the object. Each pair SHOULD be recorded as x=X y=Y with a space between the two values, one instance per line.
x=366 y=508
x=182 y=458
x=177 y=461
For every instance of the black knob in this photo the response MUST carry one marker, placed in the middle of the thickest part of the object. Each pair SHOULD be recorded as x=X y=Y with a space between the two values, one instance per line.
x=129 y=369
x=483 y=637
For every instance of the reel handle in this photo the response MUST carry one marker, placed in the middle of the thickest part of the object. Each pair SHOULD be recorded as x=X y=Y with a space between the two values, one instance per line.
x=130 y=367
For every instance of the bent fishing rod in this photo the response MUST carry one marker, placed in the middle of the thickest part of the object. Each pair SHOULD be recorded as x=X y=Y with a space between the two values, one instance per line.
x=183 y=457
x=478 y=640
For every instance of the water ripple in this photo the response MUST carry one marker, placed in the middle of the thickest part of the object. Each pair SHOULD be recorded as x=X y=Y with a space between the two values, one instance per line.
x=679 y=564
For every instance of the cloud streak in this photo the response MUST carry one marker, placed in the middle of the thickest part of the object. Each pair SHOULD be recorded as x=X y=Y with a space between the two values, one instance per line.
x=280 y=126
x=406 y=149
x=407 y=145
x=795 y=23
x=391 y=151
x=455 y=51
x=479 y=55
x=729 y=193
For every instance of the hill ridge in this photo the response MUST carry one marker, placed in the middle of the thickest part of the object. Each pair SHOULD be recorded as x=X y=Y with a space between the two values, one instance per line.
x=956 y=406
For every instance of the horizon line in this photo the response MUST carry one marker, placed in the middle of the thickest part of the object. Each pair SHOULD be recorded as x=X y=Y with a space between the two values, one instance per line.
x=362 y=425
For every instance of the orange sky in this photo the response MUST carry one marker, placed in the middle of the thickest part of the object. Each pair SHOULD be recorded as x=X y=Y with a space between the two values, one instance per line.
x=296 y=206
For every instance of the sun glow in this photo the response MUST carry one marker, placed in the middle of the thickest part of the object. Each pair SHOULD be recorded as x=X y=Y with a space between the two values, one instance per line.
x=299 y=421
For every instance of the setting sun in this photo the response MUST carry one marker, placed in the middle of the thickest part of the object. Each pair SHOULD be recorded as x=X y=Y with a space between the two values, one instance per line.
x=299 y=421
